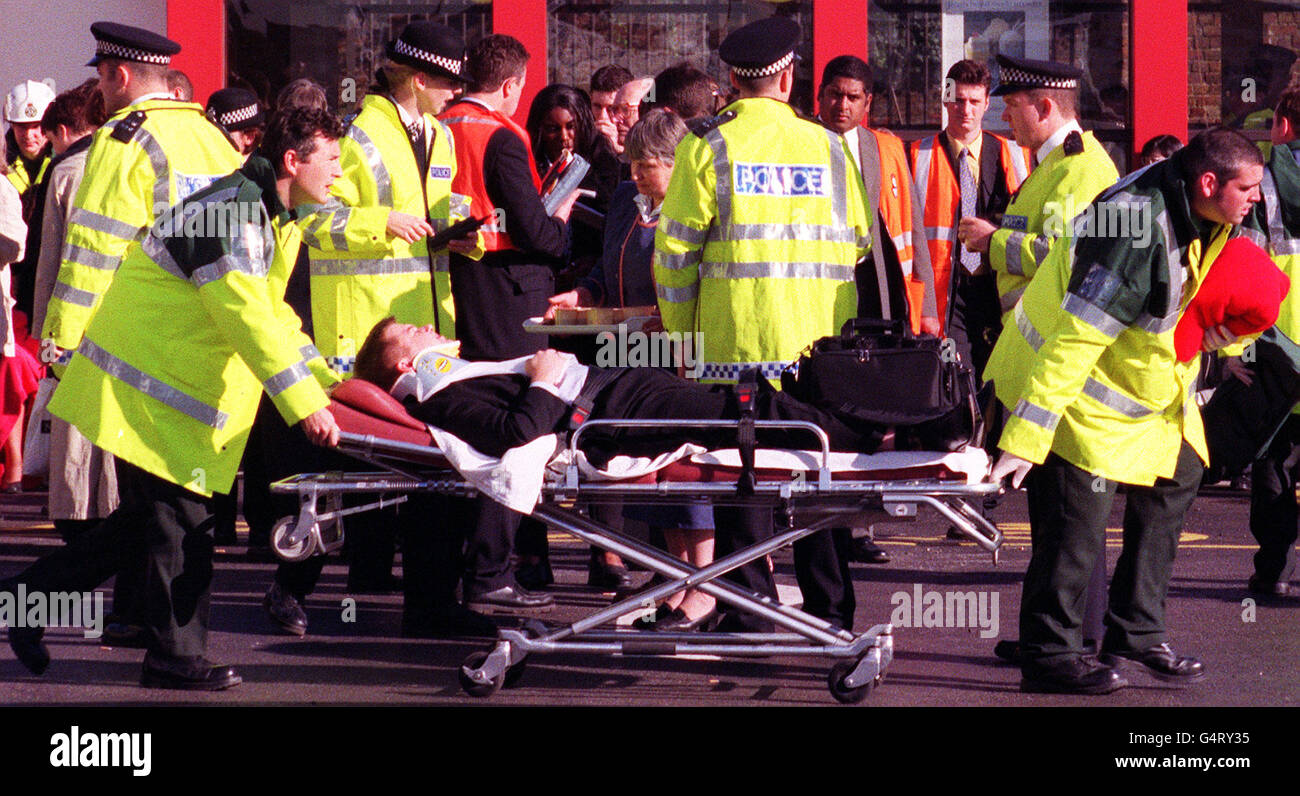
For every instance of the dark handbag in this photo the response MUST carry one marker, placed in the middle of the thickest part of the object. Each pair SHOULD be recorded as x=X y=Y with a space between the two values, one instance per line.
x=876 y=371
x=1242 y=419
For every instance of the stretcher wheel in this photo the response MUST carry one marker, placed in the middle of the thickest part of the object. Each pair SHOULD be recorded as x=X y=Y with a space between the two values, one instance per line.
x=285 y=549
x=842 y=692
x=482 y=690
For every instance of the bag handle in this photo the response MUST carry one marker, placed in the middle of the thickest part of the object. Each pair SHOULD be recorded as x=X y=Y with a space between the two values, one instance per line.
x=855 y=327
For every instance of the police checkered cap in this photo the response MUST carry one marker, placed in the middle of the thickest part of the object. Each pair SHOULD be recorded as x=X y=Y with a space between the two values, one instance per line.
x=430 y=47
x=1025 y=74
x=238 y=115
x=1021 y=77
x=107 y=49
x=125 y=43
x=770 y=69
x=449 y=64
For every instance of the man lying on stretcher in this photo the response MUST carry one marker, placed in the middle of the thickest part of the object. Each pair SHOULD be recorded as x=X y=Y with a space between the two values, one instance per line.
x=498 y=406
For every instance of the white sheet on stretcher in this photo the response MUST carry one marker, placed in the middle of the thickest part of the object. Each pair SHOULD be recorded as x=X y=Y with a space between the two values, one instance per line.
x=972 y=463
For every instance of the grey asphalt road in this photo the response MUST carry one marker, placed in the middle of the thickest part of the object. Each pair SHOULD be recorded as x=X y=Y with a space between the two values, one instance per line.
x=354 y=654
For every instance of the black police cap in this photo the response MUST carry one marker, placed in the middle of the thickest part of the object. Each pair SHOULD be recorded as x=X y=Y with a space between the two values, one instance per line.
x=235 y=109
x=761 y=48
x=125 y=43
x=432 y=48
x=1024 y=74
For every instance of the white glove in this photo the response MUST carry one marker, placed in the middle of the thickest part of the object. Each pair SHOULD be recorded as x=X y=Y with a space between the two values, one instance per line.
x=1012 y=465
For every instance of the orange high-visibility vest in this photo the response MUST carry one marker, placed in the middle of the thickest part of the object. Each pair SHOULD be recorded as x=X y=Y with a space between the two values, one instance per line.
x=940 y=190
x=472 y=124
x=895 y=205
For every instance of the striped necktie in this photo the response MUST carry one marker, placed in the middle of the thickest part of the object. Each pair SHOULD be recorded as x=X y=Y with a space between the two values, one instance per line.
x=969 y=260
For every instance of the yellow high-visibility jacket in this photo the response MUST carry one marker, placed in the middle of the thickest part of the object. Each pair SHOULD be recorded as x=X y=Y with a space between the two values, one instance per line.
x=761 y=228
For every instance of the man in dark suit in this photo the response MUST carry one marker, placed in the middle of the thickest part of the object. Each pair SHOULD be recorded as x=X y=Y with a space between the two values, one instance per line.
x=500 y=410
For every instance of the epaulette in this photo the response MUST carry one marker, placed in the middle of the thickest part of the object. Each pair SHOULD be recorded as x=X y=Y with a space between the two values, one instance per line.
x=702 y=126
x=1073 y=143
x=126 y=129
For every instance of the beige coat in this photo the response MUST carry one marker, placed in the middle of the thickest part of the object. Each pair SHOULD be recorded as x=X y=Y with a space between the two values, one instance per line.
x=83 y=478
x=13 y=237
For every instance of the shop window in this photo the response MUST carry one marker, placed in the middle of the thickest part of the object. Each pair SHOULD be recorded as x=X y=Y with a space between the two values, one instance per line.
x=1241 y=56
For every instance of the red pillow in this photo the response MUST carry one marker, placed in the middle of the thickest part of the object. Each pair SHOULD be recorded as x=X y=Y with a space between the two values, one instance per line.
x=1243 y=290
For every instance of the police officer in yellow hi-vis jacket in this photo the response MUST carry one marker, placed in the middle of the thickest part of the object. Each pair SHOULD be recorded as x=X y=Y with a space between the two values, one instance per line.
x=761 y=228
x=370 y=256
x=1071 y=169
x=167 y=378
x=1103 y=398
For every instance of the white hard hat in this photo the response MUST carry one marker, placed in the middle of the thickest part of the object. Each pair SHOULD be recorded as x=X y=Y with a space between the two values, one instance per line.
x=28 y=101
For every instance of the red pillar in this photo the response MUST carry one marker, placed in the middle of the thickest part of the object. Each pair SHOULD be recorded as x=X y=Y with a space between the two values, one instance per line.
x=839 y=28
x=199 y=27
x=1159 y=69
x=526 y=21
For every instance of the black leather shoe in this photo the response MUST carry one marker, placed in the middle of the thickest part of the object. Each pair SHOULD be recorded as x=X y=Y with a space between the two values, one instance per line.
x=30 y=649
x=535 y=576
x=512 y=597
x=1076 y=674
x=1160 y=662
x=648 y=623
x=678 y=622
x=868 y=552
x=285 y=611
x=1275 y=588
x=125 y=634
x=453 y=621
x=606 y=577
x=187 y=674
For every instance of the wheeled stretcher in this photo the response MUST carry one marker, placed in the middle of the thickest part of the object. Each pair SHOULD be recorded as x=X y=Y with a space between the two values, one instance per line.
x=813 y=491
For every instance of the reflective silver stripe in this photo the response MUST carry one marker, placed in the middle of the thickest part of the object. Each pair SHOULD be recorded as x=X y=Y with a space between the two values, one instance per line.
x=459 y=205
x=72 y=295
x=770 y=270
x=1174 y=276
x=1018 y=164
x=370 y=267
x=730 y=371
x=941 y=233
x=722 y=173
x=1027 y=329
x=1092 y=315
x=90 y=258
x=839 y=180
x=1009 y=300
x=161 y=171
x=286 y=378
x=1272 y=208
x=676 y=262
x=1039 y=247
x=923 y=155
x=676 y=229
x=156 y=250
x=101 y=223
x=470 y=120
x=906 y=266
x=442 y=263
x=309 y=352
x=1255 y=236
x=155 y=389
x=1014 y=243
x=1036 y=415
x=226 y=264
x=1115 y=400
x=383 y=183
x=1291 y=246
x=337 y=236
x=800 y=232
x=677 y=295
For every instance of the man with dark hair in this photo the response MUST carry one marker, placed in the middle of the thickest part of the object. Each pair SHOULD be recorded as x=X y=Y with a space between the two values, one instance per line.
x=1100 y=397
x=684 y=90
x=605 y=83
x=194 y=325
x=1274 y=225
x=897 y=238
x=512 y=281
x=179 y=85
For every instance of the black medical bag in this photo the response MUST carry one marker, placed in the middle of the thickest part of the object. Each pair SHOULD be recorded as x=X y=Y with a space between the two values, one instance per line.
x=879 y=372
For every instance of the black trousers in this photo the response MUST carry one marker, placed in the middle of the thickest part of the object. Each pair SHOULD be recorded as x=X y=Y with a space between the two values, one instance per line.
x=1068 y=510
x=172 y=528
x=1273 y=512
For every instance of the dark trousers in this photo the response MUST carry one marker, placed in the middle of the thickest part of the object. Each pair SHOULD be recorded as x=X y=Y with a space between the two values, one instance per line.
x=489 y=529
x=1068 y=510
x=1273 y=512
x=974 y=316
x=172 y=528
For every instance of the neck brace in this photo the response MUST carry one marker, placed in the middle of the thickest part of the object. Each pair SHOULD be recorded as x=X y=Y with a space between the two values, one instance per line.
x=438 y=367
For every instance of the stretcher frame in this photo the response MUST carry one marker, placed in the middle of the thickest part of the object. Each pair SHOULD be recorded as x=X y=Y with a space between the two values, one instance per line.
x=810 y=505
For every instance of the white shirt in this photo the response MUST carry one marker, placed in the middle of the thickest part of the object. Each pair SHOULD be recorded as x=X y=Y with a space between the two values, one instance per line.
x=1057 y=138
x=852 y=137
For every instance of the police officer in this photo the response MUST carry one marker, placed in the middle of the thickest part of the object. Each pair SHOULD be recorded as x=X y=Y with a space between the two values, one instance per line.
x=193 y=329
x=1071 y=169
x=1104 y=399
x=761 y=228
x=237 y=111
x=153 y=152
